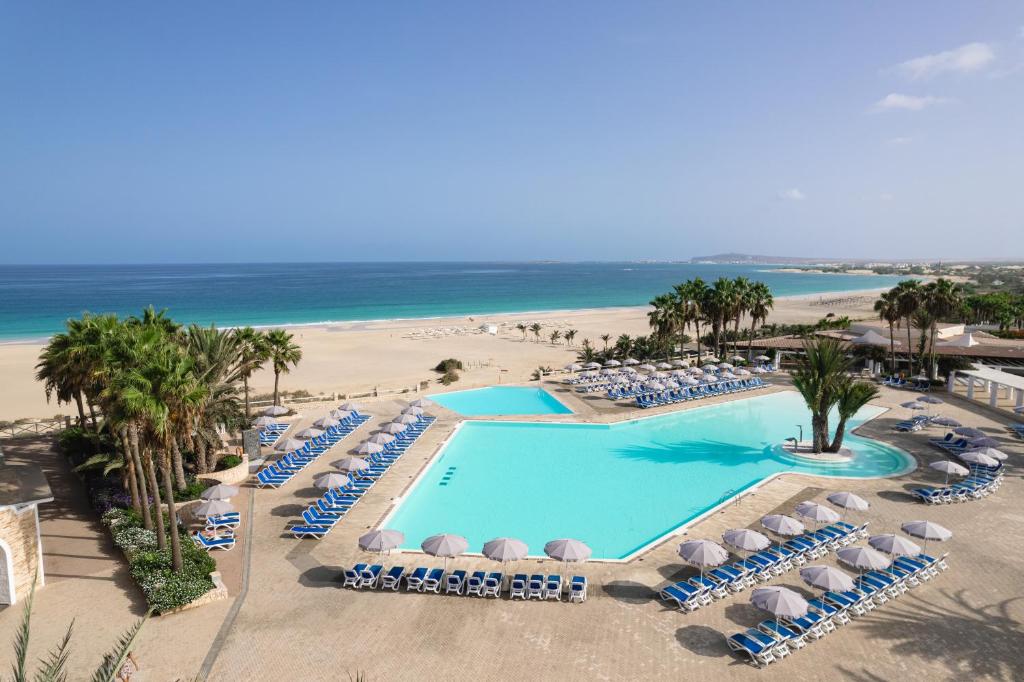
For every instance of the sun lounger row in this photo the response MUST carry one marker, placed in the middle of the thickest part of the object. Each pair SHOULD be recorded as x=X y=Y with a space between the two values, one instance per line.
x=723 y=581
x=922 y=385
x=971 y=488
x=460 y=582
x=773 y=640
x=698 y=392
x=915 y=424
x=223 y=541
x=280 y=472
x=272 y=433
x=320 y=517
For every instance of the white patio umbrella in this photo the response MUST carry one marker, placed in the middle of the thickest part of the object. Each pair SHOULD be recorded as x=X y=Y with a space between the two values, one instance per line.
x=341 y=415
x=219 y=492
x=782 y=525
x=212 y=508
x=505 y=549
x=930 y=400
x=926 y=530
x=671 y=384
x=894 y=545
x=725 y=365
x=945 y=421
x=762 y=358
x=330 y=480
x=573 y=367
x=779 y=601
x=630 y=361
x=592 y=365
x=646 y=367
x=742 y=372
x=690 y=381
x=393 y=428
x=912 y=405
x=350 y=407
x=947 y=467
x=609 y=372
x=325 y=422
x=826 y=578
x=568 y=550
x=746 y=539
x=663 y=365
x=709 y=367
x=369 y=448
x=289 y=444
x=863 y=558
x=728 y=375
x=994 y=453
x=418 y=411
x=759 y=370
x=421 y=402
x=847 y=500
x=276 y=411
x=984 y=442
x=816 y=512
x=711 y=358
x=612 y=363
x=310 y=432
x=702 y=553
x=680 y=363
x=654 y=386
x=445 y=545
x=264 y=422
x=969 y=432
x=349 y=465
x=406 y=419
x=975 y=457
x=381 y=540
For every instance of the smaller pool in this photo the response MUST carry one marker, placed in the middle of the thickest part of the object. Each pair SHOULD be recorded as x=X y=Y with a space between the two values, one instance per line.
x=501 y=400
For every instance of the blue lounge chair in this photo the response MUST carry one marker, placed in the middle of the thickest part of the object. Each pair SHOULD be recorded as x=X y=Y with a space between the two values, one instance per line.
x=455 y=582
x=578 y=589
x=779 y=631
x=414 y=581
x=392 y=580
x=756 y=647
x=553 y=587
x=492 y=584
x=303 y=531
x=475 y=584
x=517 y=589
x=352 y=576
x=686 y=597
x=226 y=542
x=432 y=583
x=535 y=587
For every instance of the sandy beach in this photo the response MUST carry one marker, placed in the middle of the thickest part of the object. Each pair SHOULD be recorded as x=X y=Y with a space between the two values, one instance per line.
x=359 y=356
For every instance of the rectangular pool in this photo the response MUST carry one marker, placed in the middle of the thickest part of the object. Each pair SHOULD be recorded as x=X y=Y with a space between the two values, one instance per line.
x=501 y=401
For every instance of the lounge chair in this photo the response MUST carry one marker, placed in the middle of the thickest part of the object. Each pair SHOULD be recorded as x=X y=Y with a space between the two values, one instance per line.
x=517 y=589
x=414 y=581
x=353 y=576
x=808 y=624
x=831 y=614
x=475 y=584
x=226 y=542
x=683 y=595
x=578 y=589
x=432 y=583
x=788 y=636
x=455 y=582
x=368 y=577
x=757 y=646
x=553 y=587
x=392 y=580
x=492 y=584
x=535 y=587
x=302 y=531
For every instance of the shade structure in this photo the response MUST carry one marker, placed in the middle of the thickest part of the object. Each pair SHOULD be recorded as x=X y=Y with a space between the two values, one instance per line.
x=913 y=405
x=654 y=386
x=779 y=601
x=329 y=480
x=325 y=422
x=406 y=419
x=445 y=545
x=725 y=365
x=927 y=530
x=420 y=402
x=264 y=422
x=630 y=361
x=612 y=363
x=994 y=453
x=663 y=365
x=350 y=464
x=863 y=558
x=628 y=370
x=380 y=438
x=276 y=411
x=659 y=375
x=609 y=372
x=737 y=358
x=783 y=525
x=931 y=400
x=690 y=381
x=350 y=407
x=895 y=545
x=646 y=367
x=393 y=428
x=212 y=508
x=728 y=375
x=310 y=433
x=592 y=365
x=827 y=578
x=567 y=549
x=703 y=553
x=962 y=341
x=680 y=363
x=381 y=540
x=816 y=512
x=742 y=372
x=984 y=442
x=219 y=492
x=289 y=444
x=762 y=358
x=948 y=467
x=505 y=549
x=341 y=415
x=969 y=432
x=671 y=384
x=759 y=370
x=709 y=367
x=977 y=457
x=746 y=539
x=873 y=338
x=711 y=358
x=573 y=367
x=368 y=448
x=418 y=411
x=945 y=421
x=846 y=500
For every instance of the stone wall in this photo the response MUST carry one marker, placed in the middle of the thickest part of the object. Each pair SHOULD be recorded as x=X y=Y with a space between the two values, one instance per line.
x=18 y=530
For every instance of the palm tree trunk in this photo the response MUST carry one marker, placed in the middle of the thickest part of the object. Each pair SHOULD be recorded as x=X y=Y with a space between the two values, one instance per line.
x=140 y=471
x=129 y=462
x=819 y=427
x=245 y=388
x=910 y=349
x=200 y=456
x=837 y=442
x=277 y=376
x=696 y=324
x=750 y=341
x=892 y=347
x=931 y=352
x=172 y=515
x=92 y=415
x=81 y=409
x=161 y=533
x=179 y=467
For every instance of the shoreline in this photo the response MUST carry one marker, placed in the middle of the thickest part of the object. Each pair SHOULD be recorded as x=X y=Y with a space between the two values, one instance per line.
x=358 y=325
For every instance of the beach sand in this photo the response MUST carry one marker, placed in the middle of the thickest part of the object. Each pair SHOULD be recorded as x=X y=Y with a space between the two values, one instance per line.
x=357 y=357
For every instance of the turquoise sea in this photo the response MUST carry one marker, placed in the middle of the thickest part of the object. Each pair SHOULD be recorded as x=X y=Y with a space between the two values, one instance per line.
x=36 y=299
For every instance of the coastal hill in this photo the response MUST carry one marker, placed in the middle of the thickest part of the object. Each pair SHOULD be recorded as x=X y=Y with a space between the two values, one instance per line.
x=747 y=259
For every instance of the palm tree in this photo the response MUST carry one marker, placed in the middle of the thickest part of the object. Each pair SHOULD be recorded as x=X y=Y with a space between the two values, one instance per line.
x=555 y=335
x=852 y=395
x=606 y=338
x=624 y=345
x=820 y=378
x=693 y=293
x=908 y=298
x=570 y=334
x=717 y=306
x=759 y=302
x=740 y=305
x=216 y=356
x=252 y=353
x=942 y=298
x=522 y=328
x=661 y=317
x=587 y=353
x=888 y=308
x=283 y=354
x=535 y=328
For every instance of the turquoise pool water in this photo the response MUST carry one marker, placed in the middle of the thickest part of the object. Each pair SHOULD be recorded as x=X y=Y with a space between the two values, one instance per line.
x=501 y=400
x=616 y=487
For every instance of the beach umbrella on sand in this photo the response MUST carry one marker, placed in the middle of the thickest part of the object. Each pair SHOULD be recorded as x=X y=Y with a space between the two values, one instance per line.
x=392 y=428
x=289 y=444
x=325 y=422
x=977 y=457
x=659 y=375
x=592 y=365
x=984 y=442
x=369 y=448
x=947 y=467
x=671 y=384
x=926 y=530
x=421 y=402
x=264 y=422
x=742 y=372
x=845 y=500
x=782 y=525
x=779 y=601
x=445 y=545
x=762 y=358
x=341 y=415
x=309 y=433
x=709 y=367
x=691 y=381
x=505 y=549
x=863 y=558
x=759 y=370
x=738 y=358
x=276 y=411
x=381 y=540
x=945 y=421
x=219 y=492
x=703 y=553
x=912 y=405
x=350 y=464
x=573 y=367
x=728 y=375
x=746 y=539
x=663 y=365
x=330 y=480
x=894 y=545
x=826 y=578
x=350 y=407
x=969 y=432
x=654 y=386
x=725 y=365
x=567 y=550
x=816 y=512
x=613 y=363
x=930 y=399
x=418 y=411
x=630 y=361
x=646 y=367
x=680 y=363
x=405 y=419
x=994 y=453
x=380 y=438
x=609 y=372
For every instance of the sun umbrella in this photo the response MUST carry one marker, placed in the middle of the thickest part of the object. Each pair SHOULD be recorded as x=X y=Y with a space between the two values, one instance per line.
x=567 y=549
x=573 y=367
x=393 y=428
x=420 y=402
x=219 y=492
x=781 y=602
x=711 y=358
x=264 y=422
x=592 y=365
x=276 y=411
x=350 y=464
x=947 y=467
x=654 y=386
x=309 y=433
x=505 y=549
x=863 y=558
x=405 y=419
x=969 y=432
x=631 y=361
x=926 y=530
x=984 y=442
x=725 y=365
x=782 y=525
x=612 y=363
x=759 y=370
x=671 y=384
x=628 y=370
x=691 y=381
x=912 y=405
x=994 y=453
x=646 y=367
x=827 y=578
x=369 y=448
x=762 y=358
x=746 y=539
x=609 y=372
x=418 y=411
x=930 y=399
x=702 y=553
x=680 y=363
x=945 y=421
x=330 y=480
x=381 y=540
x=341 y=415
x=212 y=508
x=728 y=375
x=325 y=422
x=895 y=545
x=816 y=512
x=742 y=372
x=709 y=367
x=663 y=365
x=846 y=500
x=445 y=545
x=975 y=457
x=289 y=444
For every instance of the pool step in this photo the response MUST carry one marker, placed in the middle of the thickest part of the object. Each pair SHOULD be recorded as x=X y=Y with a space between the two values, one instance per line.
x=447 y=476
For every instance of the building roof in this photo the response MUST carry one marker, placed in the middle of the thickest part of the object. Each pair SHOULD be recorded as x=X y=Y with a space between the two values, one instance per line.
x=23 y=483
x=989 y=374
x=987 y=346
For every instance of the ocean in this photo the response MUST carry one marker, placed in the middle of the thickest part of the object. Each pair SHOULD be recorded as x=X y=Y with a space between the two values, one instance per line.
x=36 y=299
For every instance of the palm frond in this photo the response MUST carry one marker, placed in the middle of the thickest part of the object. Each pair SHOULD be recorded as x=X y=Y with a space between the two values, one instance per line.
x=21 y=639
x=112 y=662
x=54 y=667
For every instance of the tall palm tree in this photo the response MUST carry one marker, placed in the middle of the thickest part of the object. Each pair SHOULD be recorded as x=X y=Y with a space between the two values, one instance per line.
x=522 y=328
x=740 y=306
x=252 y=353
x=693 y=292
x=624 y=345
x=820 y=377
x=851 y=396
x=717 y=306
x=942 y=298
x=555 y=335
x=759 y=303
x=570 y=334
x=908 y=297
x=888 y=308
x=661 y=318
x=216 y=356
x=606 y=338
x=283 y=354
x=535 y=328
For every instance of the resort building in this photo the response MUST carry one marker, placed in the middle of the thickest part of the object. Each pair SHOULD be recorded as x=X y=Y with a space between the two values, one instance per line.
x=23 y=487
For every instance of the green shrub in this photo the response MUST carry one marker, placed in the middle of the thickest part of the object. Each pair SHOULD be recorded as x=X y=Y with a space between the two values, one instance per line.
x=450 y=377
x=449 y=365
x=193 y=489
x=228 y=462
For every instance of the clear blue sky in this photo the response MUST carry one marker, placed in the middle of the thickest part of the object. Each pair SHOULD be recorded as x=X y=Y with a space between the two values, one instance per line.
x=438 y=130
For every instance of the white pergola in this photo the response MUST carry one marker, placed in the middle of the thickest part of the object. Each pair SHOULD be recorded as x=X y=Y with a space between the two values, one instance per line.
x=992 y=380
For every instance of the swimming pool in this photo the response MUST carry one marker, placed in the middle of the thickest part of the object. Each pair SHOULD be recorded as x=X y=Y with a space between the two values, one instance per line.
x=501 y=400
x=617 y=487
